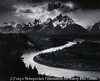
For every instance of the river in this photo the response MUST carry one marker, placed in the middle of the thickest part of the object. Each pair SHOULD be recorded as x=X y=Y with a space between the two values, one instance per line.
x=53 y=71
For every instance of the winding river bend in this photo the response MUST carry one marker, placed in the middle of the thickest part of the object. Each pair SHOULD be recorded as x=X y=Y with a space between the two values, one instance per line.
x=52 y=71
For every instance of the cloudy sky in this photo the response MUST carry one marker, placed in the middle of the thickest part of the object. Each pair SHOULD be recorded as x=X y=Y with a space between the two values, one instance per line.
x=83 y=12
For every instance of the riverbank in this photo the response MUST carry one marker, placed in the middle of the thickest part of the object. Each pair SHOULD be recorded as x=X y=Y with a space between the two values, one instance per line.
x=83 y=57
x=53 y=71
x=69 y=65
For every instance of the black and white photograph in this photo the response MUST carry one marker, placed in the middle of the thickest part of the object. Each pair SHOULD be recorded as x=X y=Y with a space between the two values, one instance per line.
x=49 y=40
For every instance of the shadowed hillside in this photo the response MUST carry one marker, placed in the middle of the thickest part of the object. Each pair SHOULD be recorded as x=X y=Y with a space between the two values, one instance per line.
x=12 y=46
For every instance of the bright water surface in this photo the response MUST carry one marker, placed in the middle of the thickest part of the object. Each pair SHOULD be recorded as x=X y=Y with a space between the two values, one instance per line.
x=52 y=71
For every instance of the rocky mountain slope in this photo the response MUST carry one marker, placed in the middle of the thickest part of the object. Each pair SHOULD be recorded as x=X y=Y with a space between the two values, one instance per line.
x=59 y=25
x=96 y=28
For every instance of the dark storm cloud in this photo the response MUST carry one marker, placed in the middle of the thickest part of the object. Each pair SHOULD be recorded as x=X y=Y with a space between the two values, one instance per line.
x=88 y=4
x=79 y=4
x=84 y=4
x=6 y=5
x=26 y=11
x=54 y=5
x=64 y=8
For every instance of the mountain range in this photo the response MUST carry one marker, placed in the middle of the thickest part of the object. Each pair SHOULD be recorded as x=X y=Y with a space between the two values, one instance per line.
x=96 y=28
x=59 y=25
